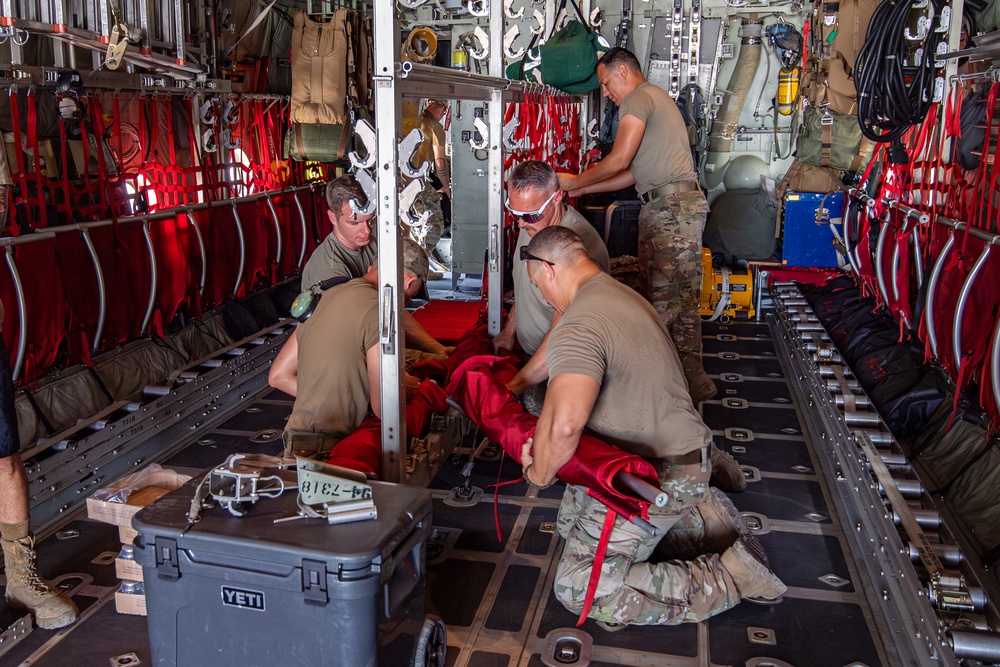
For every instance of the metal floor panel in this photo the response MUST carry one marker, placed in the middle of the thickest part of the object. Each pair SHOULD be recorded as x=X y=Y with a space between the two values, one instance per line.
x=496 y=595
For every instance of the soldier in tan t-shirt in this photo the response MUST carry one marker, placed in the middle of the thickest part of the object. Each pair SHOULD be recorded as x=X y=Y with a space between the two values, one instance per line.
x=350 y=251
x=331 y=363
x=536 y=202
x=615 y=371
x=651 y=151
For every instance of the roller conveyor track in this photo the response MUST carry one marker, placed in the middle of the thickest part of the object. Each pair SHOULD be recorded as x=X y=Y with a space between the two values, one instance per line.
x=495 y=595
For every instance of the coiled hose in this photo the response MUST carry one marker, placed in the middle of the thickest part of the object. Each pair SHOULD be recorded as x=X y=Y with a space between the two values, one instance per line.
x=895 y=75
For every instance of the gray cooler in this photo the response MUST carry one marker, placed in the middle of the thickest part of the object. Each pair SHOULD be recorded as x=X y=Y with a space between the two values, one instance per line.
x=244 y=591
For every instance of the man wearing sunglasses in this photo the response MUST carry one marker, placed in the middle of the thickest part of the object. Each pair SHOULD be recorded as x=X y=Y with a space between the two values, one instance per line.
x=652 y=152
x=535 y=202
x=615 y=371
x=350 y=250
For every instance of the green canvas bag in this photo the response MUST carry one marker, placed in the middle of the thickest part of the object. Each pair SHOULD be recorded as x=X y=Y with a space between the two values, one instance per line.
x=831 y=139
x=569 y=59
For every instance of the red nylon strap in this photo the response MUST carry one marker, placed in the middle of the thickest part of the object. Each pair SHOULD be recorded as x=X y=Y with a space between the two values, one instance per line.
x=974 y=204
x=38 y=177
x=595 y=570
x=67 y=204
x=102 y=167
x=15 y=118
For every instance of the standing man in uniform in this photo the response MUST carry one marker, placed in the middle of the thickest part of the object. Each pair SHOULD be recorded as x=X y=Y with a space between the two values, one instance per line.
x=651 y=150
x=615 y=371
x=437 y=189
x=535 y=201
x=25 y=587
x=331 y=362
x=350 y=250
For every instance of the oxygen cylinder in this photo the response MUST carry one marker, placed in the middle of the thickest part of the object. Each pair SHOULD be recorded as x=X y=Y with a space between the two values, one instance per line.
x=788 y=90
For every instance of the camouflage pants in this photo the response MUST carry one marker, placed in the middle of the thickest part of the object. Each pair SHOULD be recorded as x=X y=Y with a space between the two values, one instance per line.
x=430 y=233
x=632 y=590
x=670 y=230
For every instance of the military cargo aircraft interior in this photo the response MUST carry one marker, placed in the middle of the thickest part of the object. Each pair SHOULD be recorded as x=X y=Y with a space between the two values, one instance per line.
x=500 y=333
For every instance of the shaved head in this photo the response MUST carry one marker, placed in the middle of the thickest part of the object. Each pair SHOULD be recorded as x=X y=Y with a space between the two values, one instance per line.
x=559 y=245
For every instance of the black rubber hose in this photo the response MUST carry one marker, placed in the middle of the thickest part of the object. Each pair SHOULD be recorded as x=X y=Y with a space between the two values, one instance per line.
x=895 y=88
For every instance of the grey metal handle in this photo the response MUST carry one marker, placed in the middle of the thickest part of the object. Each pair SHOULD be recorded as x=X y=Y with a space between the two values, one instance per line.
x=243 y=248
x=879 y=249
x=302 y=218
x=277 y=230
x=201 y=249
x=918 y=260
x=102 y=301
x=963 y=300
x=154 y=276
x=932 y=293
x=22 y=330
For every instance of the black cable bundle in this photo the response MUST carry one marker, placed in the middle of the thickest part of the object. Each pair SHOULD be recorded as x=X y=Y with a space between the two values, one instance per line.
x=895 y=88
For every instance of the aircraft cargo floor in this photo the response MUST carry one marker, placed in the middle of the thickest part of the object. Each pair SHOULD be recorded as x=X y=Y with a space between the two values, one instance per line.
x=495 y=596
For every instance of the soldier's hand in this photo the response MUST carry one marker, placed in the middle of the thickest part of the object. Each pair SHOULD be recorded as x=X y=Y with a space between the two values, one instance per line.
x=504 y=340
x=526 y=458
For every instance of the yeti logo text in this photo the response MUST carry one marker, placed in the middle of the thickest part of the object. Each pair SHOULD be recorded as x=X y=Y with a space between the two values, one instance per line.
x=237 y=597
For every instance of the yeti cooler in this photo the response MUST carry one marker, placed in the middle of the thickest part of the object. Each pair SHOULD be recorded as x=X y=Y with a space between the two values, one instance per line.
x=243 y=591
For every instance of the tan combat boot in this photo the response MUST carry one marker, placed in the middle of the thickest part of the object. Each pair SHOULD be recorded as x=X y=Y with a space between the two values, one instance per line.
x=754 y=580
x=722 y=522
x=27 y=590
x=726 y=472
x=700 y=386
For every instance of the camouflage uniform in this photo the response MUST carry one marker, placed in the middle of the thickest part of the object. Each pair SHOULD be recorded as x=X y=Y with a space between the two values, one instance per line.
x=428 y=235
x=670 y=230
x=630 y=589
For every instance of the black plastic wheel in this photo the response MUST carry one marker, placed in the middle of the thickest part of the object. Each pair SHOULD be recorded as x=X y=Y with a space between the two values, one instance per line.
x=432 y=645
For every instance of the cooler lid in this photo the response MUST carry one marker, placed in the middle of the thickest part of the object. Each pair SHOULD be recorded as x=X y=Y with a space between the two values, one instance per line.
x=255 y=536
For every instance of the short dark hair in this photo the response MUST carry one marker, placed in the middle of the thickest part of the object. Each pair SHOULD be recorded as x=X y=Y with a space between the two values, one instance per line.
x=558 y=245
x=617 y=56
x=533 y=174
x=342 y=190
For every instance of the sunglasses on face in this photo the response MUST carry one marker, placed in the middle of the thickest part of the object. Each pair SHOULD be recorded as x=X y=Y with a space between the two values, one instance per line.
x=525 y=255
x=534 y=216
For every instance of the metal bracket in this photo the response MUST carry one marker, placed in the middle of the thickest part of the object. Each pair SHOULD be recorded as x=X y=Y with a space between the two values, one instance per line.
x=484 y=40
x=364 y=131
x=370 y=189
x=209 y=141
x=207 y=112
x=234 y=483
x=508 y=42
x=14 y=633
x=228 y=142
x=592 y=129
x=507 y=4
x=484 y=132
x=231 y=113
x=407 y=149
x=539 y=22
x=388 y=320
x=479 y=7
x=596 y=18
x=508 y=134
x=407 y=198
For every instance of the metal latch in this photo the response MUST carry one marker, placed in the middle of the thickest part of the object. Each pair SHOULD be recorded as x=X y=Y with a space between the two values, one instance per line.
x=167 y=566
x=314 y=582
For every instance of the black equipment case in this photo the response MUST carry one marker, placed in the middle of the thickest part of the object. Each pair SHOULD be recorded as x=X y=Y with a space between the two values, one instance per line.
x=245 y=591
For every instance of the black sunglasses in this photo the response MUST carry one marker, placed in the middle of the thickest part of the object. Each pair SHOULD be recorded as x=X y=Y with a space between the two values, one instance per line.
x=525 y=255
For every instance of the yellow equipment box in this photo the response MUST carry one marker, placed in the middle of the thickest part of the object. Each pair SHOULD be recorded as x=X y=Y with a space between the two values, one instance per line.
x=726 y=293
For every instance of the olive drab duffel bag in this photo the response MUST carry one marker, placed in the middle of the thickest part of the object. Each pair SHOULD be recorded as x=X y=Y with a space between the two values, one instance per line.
x=831 y=139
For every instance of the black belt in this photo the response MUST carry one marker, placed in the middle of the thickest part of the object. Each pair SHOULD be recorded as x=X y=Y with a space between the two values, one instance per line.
x=672 y=189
